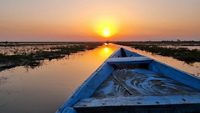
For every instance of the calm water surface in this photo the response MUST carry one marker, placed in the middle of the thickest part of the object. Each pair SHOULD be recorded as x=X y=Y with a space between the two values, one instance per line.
x=45 y=88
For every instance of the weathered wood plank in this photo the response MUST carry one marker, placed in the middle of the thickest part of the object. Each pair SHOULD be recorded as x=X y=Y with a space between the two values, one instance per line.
x=175 y=74
x=184 y=108
x=69 y=110
x=121 y=83
x=139 y=101
x=129 y=60
x=140 y=82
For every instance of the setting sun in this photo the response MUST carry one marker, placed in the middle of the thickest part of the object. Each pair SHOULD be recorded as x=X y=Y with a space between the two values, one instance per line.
x=106 y=27
x=106 y=32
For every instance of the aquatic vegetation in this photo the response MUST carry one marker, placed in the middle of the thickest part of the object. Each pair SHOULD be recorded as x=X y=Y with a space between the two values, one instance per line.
x=160 y=48
x=182 y=54
x=31 y=56
x=161 y=43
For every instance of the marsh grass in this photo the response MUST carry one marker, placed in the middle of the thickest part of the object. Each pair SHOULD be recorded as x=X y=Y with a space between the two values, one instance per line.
x=183 y=54
x=34 y=57
x=160 y=48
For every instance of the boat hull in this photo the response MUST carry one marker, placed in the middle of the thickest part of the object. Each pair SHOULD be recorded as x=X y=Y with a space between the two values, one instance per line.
x=128 y=82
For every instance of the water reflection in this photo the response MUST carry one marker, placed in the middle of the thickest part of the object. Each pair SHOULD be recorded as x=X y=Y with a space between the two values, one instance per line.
x=106 y=51
x=43 y=89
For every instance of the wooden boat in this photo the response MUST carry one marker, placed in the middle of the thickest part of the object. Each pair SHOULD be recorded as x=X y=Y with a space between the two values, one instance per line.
x=128 y=82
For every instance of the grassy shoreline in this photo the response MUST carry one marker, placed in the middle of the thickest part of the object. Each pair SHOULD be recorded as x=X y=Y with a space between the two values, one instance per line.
x=183 y=54
x=159 y=43
x=34 y=59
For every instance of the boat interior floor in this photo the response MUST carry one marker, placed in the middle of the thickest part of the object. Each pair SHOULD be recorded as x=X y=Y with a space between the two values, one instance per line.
x=139 y=88
x=140 y=82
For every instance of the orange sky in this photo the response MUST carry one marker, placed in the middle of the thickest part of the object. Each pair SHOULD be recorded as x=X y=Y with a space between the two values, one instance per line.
x=77 y=20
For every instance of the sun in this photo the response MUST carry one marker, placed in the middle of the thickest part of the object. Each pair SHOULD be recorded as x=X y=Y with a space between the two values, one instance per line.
x=106 y=32
x=106 y=27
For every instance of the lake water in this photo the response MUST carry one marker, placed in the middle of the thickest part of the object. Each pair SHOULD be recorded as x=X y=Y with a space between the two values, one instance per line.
x=45 y=88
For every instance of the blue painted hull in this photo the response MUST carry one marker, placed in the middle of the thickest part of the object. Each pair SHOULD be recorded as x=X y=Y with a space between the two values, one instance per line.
x=131 y=83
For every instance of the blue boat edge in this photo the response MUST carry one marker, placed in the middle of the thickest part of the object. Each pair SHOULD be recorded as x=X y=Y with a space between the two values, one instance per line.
x=156 y=66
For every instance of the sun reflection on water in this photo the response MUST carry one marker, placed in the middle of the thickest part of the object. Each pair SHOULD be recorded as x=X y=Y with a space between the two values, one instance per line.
x=105 y=44
x=106 y=51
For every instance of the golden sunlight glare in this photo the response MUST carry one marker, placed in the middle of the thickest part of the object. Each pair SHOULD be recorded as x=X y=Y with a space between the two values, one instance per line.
x=106 y=32
x=106 y=27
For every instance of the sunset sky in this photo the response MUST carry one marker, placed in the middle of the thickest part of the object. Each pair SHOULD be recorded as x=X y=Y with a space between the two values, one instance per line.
x=91 y=20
